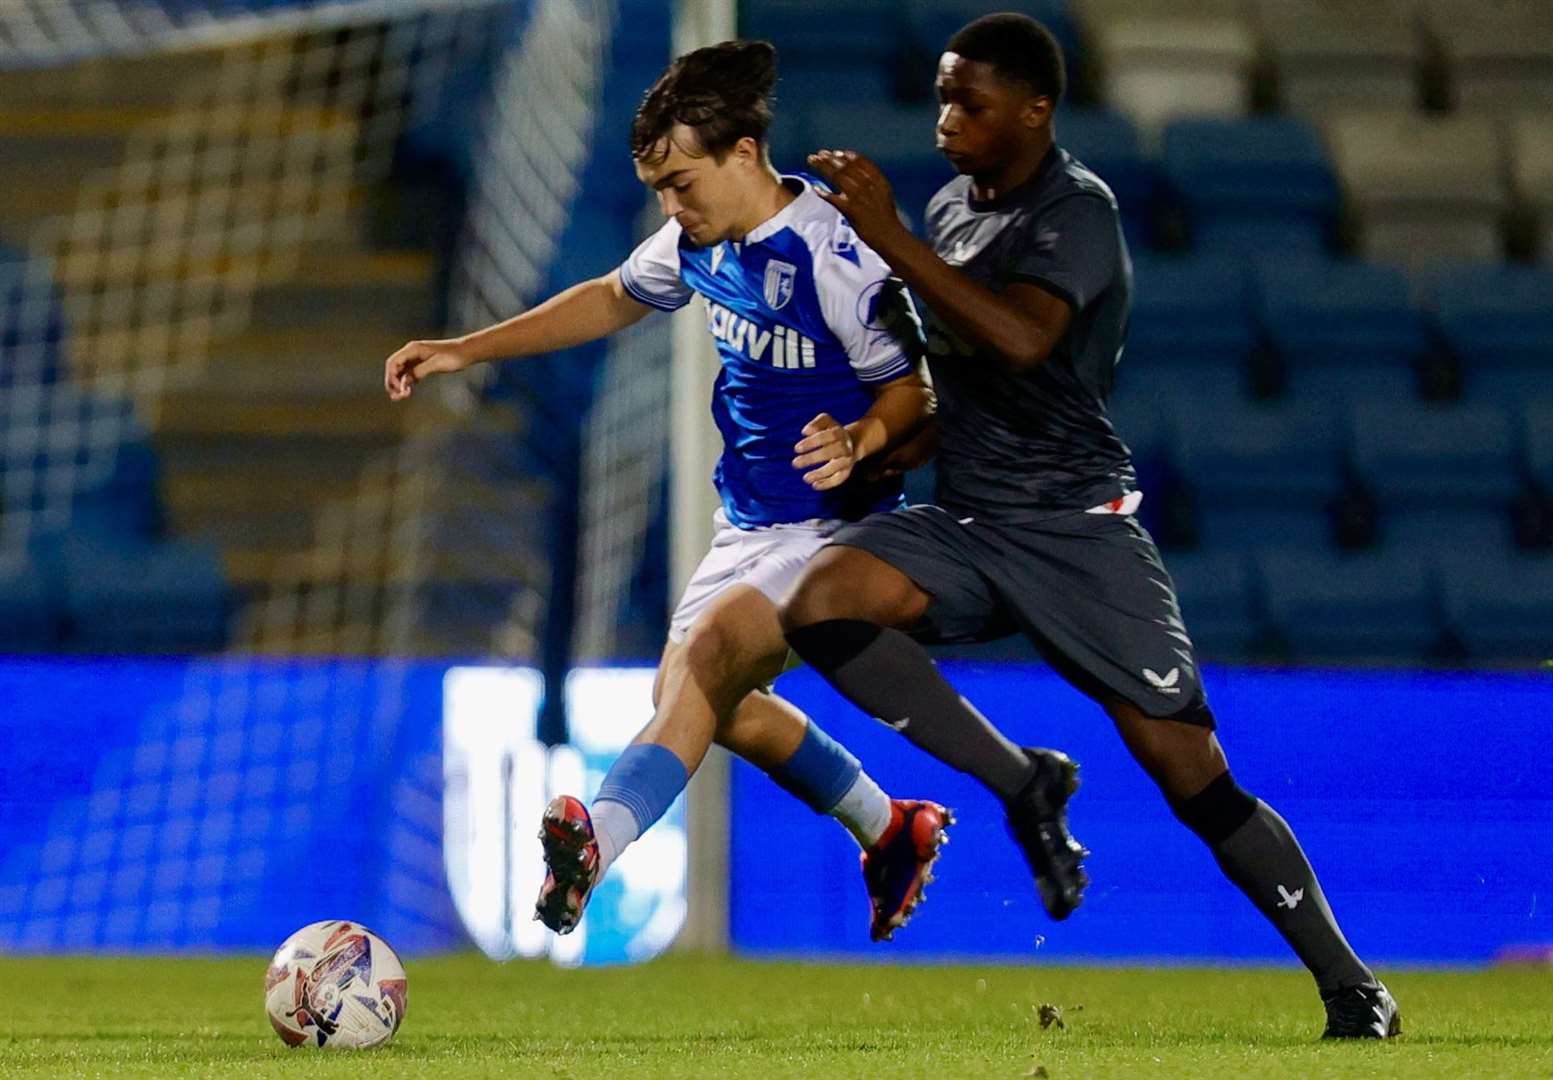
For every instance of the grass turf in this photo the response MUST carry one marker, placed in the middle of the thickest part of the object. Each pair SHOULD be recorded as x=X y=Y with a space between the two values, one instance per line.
x=685 y=1017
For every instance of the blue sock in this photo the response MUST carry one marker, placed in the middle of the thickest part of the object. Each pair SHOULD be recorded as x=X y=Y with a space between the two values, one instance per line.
x=645 y=778
x=819 y=773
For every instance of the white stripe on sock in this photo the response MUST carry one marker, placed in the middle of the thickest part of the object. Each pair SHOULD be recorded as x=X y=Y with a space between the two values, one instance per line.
x=864 y=810
x=614 y=826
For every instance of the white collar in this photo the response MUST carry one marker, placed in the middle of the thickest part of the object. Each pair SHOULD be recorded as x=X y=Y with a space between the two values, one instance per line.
x=783 y=217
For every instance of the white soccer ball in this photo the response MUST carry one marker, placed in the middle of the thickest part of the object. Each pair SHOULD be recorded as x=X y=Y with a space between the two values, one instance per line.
x=335 y=984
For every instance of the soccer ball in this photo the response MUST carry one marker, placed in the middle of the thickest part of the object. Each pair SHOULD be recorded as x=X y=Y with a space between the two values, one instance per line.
x=335 y=984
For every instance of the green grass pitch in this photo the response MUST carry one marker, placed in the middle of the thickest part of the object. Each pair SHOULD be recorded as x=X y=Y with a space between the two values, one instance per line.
x=687 y=1017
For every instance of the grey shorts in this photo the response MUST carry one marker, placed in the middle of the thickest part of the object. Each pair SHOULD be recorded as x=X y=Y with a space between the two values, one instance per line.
x=1088 y=590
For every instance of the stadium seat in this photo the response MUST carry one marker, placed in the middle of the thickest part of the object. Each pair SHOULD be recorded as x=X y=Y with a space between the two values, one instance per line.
x=934 y=22
x=1193 y=308
x=29 y=616
x=1467 y=532
x=862 y=33
x=1537 y=441
x=807 y=82
x=899 y=138
x=1216 y=590
x=1434 y=457
x=1343 y=329
x=1251 y=185
x=31 y=322
x=165 y=597
x=1424 y=189
x=1530 y=144
x=1332 y=53
x=1254 y=472
x=1107 y=142
x=1364 y=606
x=1282 y=456
x=1500 y=608
x=1499 y=52
x=1498 y=320
x=1161 y=59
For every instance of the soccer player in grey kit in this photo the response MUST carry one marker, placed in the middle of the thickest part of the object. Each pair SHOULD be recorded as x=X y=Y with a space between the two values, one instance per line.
x=1028 y=284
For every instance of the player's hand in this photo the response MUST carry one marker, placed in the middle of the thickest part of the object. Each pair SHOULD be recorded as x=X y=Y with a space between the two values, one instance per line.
x=418 y=359
x=916 y=452
x=861 y=193
x=826 y=451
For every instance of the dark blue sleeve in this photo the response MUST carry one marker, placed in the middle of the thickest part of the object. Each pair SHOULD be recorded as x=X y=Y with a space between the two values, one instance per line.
x=1072 y=249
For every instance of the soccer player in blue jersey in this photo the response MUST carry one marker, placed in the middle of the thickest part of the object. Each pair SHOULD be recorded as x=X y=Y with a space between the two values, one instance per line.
x=821 y=369
x=1028 y=285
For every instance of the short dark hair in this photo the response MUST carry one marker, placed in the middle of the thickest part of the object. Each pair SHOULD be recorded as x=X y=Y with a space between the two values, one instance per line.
x=1017 y=47
x=721 y=92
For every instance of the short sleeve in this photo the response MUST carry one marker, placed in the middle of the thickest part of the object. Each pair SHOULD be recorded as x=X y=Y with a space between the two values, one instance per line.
x=651 y=274
x=1072 y=250
x=868 y=309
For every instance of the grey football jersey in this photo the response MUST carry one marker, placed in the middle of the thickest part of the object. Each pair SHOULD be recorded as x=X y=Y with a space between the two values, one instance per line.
x=1028 y=444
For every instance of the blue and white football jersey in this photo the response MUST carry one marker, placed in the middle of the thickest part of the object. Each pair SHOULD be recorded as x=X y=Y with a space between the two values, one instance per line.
x=805 y=318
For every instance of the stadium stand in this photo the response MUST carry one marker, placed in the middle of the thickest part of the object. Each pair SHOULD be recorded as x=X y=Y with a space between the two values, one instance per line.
x=1364 y=606
x=1341 y=328
x=1499 y=52
x=1497 y=323
x=1530 y=142
x=1251 y=185
x=1498 y=609
x=1422 y=189
x=1156 y=61
x=1326 y=54
x=1220 y=602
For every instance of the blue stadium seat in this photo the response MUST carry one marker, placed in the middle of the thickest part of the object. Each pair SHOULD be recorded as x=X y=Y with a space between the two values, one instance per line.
x=1480 y=533
x=899 y=138
x=1251 y=185
x=1217 y=593
x=1498 y=320
x=861 y=31
x=1195 y=308
x=806 y=82
x=169 y=597
x=29 y=615
x=1444 y=457
x=1227 y=525
x=1259 y=472
x=1500 y=608
x=123 y=499
x=31 y=323
x=1343 y=328
x=934 y=22
x=1537 y=439
x=1108 y=142
x=1272 y=453
x=1351 y=607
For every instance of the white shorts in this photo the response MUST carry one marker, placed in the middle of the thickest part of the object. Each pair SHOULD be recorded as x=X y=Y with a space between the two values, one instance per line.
x=769 y=558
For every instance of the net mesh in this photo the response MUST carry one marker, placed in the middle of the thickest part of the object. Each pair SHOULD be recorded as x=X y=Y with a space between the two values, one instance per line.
x=186 y=165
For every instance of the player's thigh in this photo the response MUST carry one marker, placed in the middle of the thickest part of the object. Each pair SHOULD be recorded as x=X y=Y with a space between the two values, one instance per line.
x=844 y=582
x=736 y=641
x=906 y=569
x=1181 y=755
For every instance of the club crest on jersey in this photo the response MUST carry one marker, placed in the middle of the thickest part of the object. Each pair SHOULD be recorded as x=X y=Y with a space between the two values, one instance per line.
x=779 y=283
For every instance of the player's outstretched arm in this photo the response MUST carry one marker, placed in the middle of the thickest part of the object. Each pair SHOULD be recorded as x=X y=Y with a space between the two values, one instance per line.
x=1021 y=325
x=585 y=312
x=829 y=450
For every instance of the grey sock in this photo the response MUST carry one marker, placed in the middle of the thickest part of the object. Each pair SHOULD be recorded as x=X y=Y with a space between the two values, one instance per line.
x=1264 y=859
x=888 y=675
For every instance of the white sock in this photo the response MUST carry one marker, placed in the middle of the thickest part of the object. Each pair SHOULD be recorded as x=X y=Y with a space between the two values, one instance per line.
x=864 y=810
x=614 y=827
